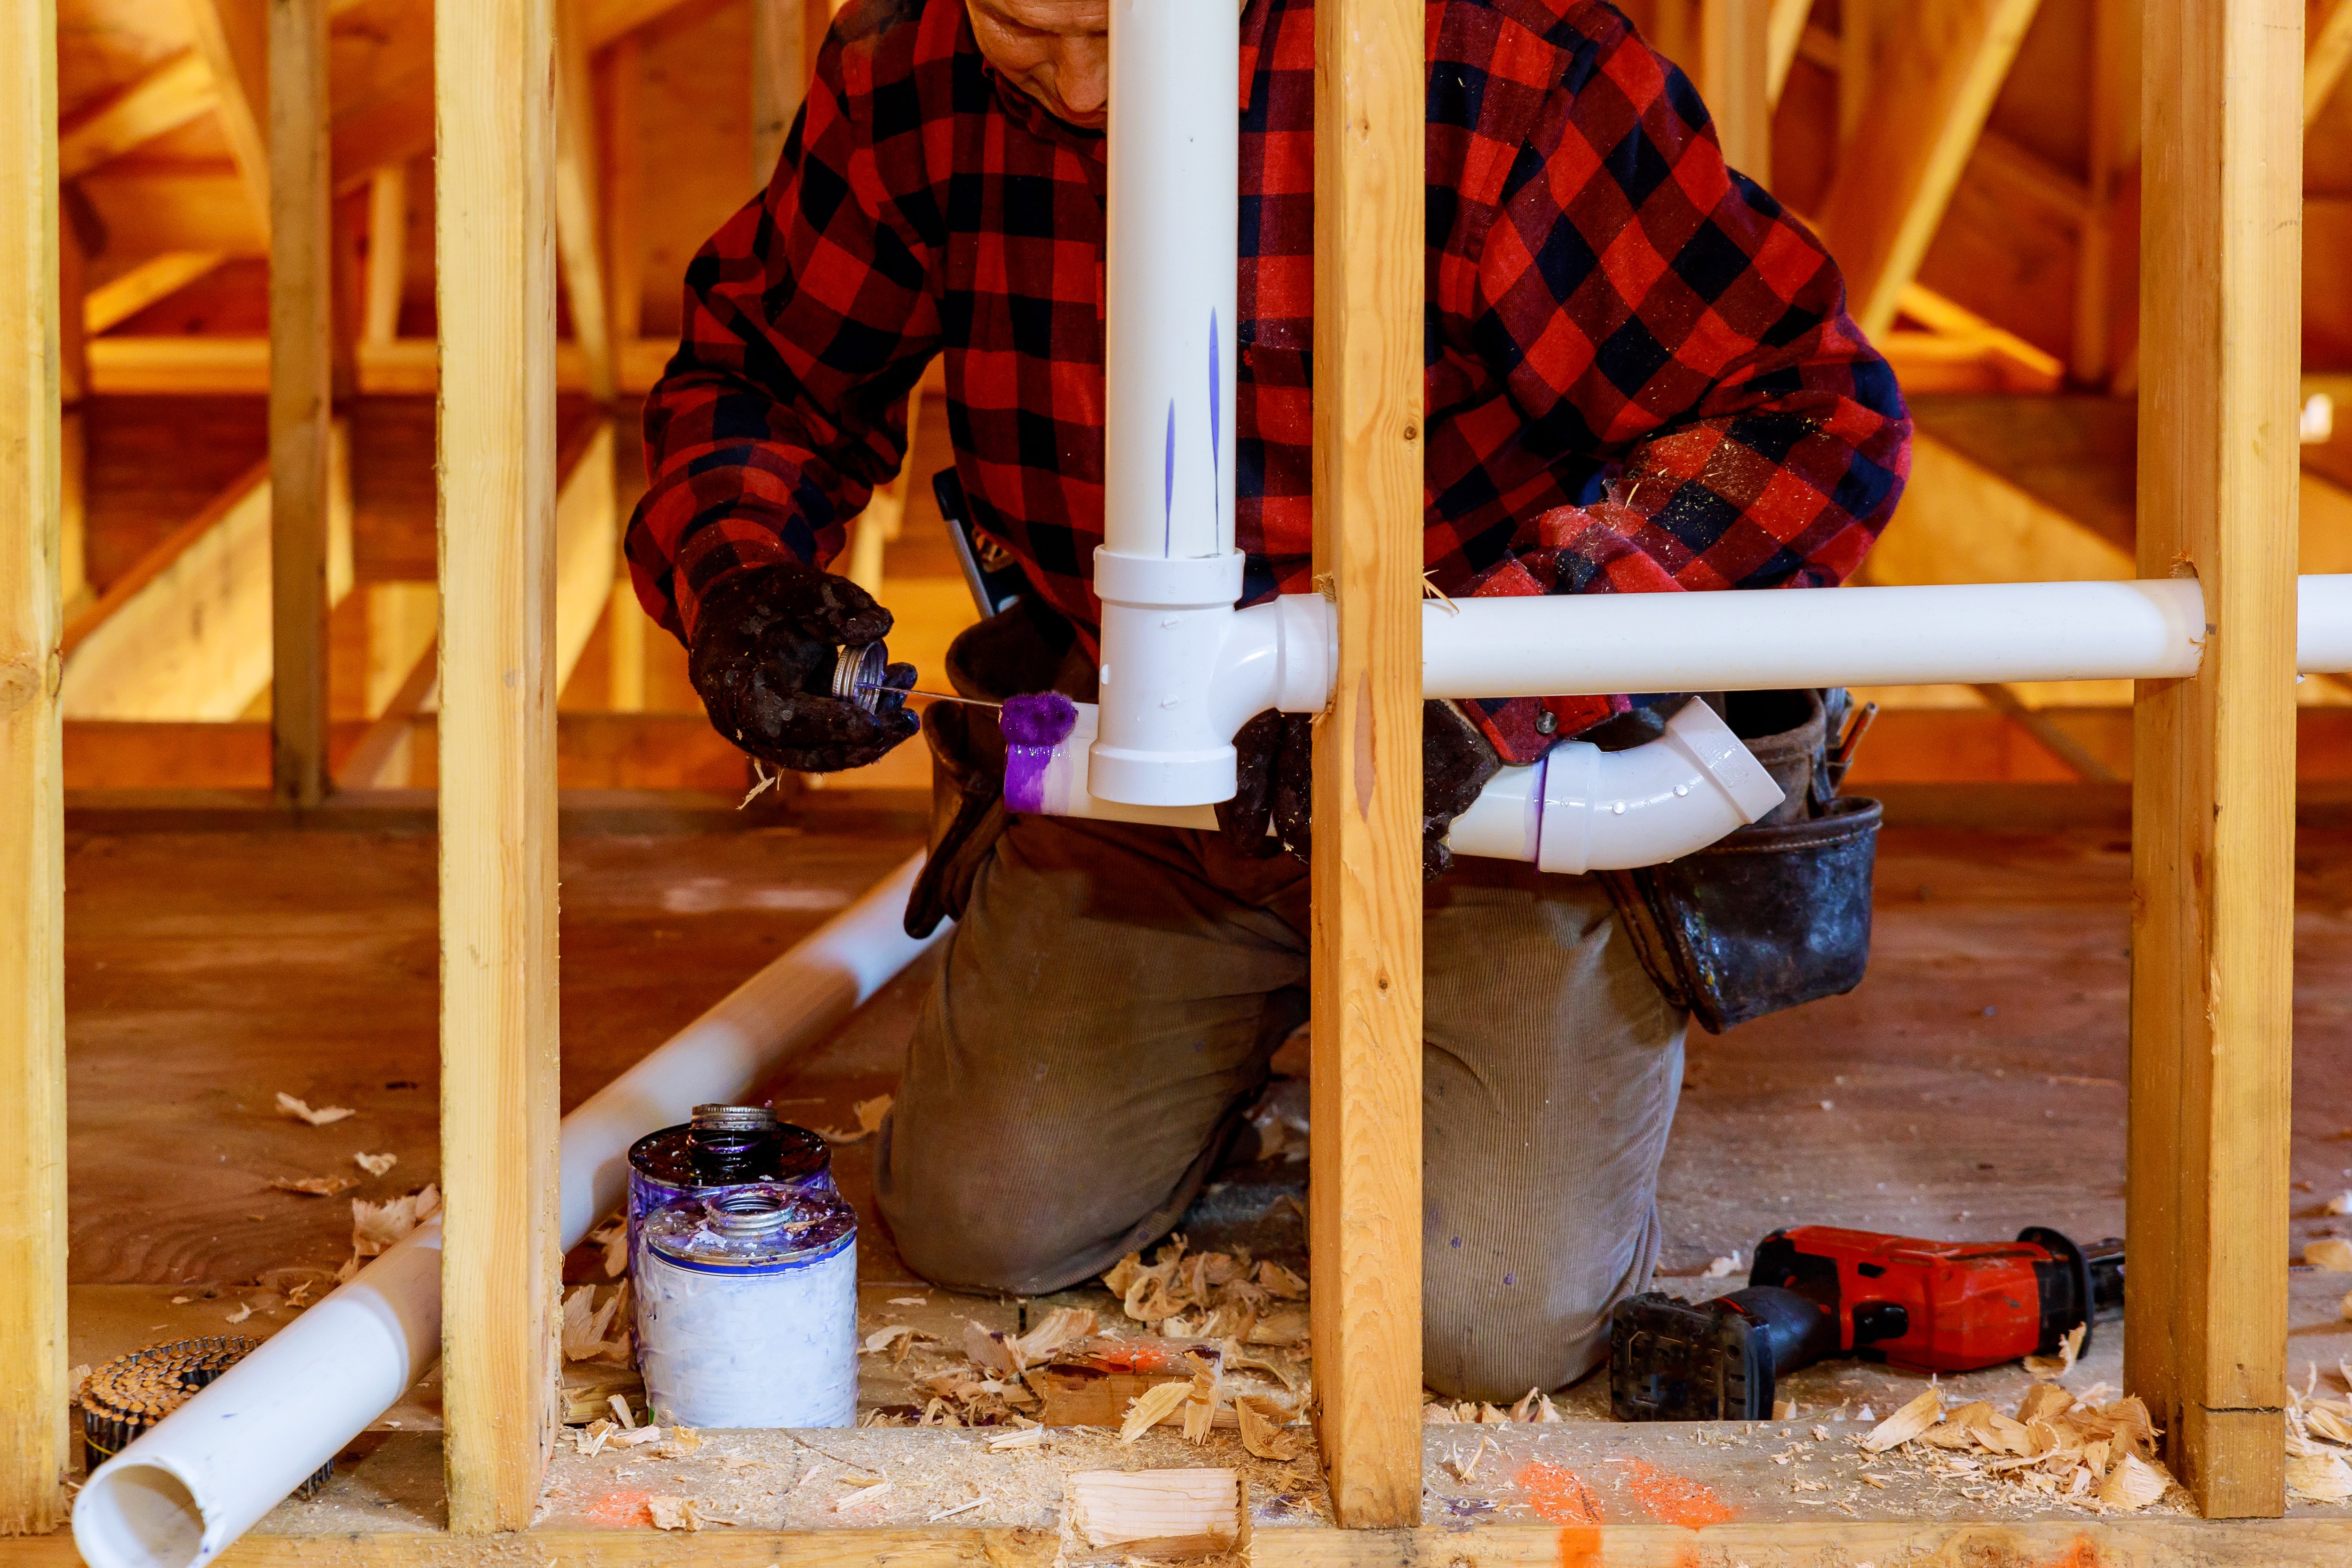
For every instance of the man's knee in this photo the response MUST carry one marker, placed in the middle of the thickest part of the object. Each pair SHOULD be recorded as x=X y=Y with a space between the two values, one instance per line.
x=991 y=1224
x=1494 y=1327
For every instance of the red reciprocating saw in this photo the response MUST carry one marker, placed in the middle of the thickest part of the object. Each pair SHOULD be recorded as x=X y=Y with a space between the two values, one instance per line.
x=1818 y=1291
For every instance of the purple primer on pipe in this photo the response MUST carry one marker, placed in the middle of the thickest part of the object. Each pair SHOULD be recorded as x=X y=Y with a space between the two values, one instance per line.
x=1033 y=725
x=1217 y=410
x=1168 y=492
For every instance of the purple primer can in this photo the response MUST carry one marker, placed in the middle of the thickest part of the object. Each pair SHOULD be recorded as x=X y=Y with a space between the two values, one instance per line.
x=724 y=1147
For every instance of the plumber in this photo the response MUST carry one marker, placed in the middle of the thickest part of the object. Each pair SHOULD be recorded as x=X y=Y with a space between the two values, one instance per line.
x=1641 y=377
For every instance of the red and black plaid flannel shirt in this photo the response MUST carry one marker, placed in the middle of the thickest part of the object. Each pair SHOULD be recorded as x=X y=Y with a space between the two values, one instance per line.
x=1641 y=374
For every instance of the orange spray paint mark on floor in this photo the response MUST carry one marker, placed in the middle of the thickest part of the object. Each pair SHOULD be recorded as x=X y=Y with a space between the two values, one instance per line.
x=1559 y=1495
x=1670 y=1499
x=619 y=1510
x=2080 y=1553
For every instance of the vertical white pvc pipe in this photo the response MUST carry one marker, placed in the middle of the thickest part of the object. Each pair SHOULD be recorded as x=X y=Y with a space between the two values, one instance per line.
x=1167 y=573
x=1174 y=234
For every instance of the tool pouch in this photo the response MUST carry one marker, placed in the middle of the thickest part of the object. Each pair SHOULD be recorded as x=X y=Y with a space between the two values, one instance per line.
x=1778 y=914
x=1027 y=647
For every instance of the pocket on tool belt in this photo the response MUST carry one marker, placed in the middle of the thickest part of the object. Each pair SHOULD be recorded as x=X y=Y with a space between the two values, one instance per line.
x=1778 y=914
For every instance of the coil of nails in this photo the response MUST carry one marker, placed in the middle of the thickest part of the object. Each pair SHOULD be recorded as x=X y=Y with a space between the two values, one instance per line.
x=133 y=1393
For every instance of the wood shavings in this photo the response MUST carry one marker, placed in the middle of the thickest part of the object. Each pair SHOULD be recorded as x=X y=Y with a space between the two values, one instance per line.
x=2059 y=1365
x=590 y=1440
x=881 y=1339
x=621 y=1410
x=2341 y=1204
x=244 y=1311
x=2042 y=1401
x=1906 y=1422
x=1029 y=1437
x=376 y=1228
x=613 y=1235
x=683 y=1440
x=2332 y=1254
x=673 y=1512
x=639 y=1438
x=951 y=1512
x=1062 y=1327
x=1466 y=1470
x=375 y=1164
x=1721 y=1268
x=1157 y=1513
x=1150 y=1408
x=863 y=1496
x=2131 y=1486
x=314 y=1186
x=2320 y=1478
x=1201 y=1400
x=324 y=1116
x=585 y=1325
x=1267 y=1434
x=1784 y=1410
x=869 y=1114
x=910 y=1301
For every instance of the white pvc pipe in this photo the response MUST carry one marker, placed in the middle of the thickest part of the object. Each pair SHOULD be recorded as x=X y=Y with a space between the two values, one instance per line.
x=1167 y=573
x=2323 y=622
x=182 y=1493
x=1581 y=809
x=179 y=1495
x=804 y=993
x=1568 y=644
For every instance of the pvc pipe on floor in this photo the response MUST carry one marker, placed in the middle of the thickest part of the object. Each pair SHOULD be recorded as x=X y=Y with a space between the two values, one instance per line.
x=178 y=1495
x=801 y=995
x=182 y=1493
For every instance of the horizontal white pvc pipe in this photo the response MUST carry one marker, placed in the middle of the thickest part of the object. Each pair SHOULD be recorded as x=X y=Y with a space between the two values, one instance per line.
x=182 y=1493
x=1568 y=644
x=2323 y=643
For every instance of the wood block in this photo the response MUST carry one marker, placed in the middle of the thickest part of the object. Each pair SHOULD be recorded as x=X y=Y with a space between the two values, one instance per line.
x=1158 y=1513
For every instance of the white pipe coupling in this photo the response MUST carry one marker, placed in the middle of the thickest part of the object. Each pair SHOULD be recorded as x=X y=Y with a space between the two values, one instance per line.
x=1580 y=808
x=1183 y=671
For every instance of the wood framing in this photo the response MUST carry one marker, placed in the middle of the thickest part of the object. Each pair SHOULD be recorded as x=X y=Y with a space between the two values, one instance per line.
x=2330 y=53
x=2213 y=755
x=32 y=1390
x=1365 y=1189
x=115 y=301
x=579 y=234
x=1932 y=84
x=301 y=345
x=387 y=254
x=233 y=37
x=163 y=100
x=494 y=218
x=1735 y=78
x=782 y=59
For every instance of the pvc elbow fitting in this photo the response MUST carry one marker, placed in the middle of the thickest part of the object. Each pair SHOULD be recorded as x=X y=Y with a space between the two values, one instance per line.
x=1583 y=809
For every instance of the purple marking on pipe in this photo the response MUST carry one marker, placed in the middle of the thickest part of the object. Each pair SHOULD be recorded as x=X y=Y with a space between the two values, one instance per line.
x=1168 y=496
x=1034 y=725
x=1216 y=433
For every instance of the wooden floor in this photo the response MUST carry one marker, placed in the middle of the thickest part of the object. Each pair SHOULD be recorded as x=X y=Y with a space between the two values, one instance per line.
x=1971 y=1087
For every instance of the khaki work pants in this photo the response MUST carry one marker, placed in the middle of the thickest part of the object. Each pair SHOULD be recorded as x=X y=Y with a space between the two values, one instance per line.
x=1104 y=1016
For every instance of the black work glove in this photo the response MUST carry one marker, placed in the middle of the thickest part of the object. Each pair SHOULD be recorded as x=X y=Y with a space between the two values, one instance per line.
x=1275 y=783
x=762 y=661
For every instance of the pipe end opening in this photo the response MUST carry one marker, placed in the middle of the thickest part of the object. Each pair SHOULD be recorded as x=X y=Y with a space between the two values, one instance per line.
x=138 y=1516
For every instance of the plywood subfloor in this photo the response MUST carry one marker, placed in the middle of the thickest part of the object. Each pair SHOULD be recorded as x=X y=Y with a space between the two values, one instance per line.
x=1971 y=1087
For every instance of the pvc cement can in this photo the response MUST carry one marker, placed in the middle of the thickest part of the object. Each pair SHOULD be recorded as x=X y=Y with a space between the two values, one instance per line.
x=747 y=1309
x=723 y=1148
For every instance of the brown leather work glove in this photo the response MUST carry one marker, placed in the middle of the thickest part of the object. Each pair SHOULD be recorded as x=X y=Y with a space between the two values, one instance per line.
x=1275 y=783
